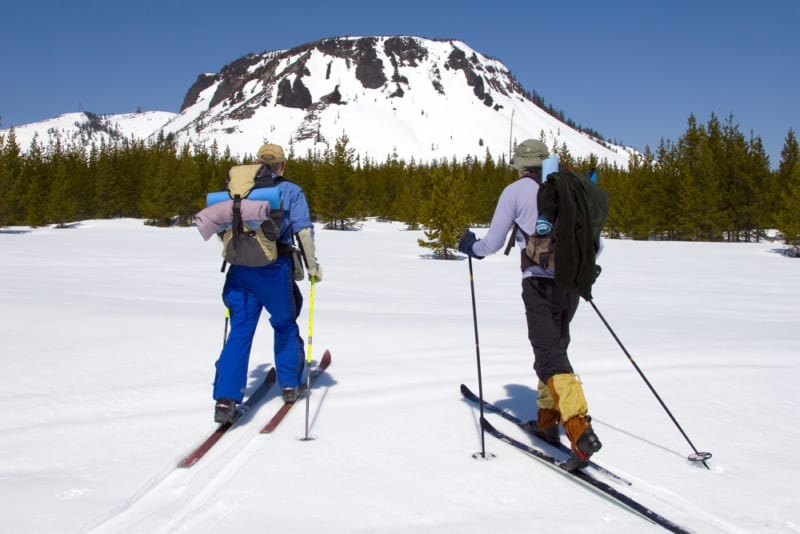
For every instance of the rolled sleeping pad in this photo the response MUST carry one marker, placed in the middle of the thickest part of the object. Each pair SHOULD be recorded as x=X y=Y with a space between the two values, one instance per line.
x=270 y=194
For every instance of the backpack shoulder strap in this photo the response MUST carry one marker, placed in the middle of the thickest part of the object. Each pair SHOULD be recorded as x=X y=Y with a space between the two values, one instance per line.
x=514 y=229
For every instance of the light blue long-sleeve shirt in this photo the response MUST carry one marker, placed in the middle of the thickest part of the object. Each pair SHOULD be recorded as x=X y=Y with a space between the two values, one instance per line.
x=517 y=204
x=296 y=213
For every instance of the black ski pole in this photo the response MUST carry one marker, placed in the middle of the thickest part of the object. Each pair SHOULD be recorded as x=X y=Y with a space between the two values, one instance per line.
x=227 y=319
x=697 y=456
x=481 y=454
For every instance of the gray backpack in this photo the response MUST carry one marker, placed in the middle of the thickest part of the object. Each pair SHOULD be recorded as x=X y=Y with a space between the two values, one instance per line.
x=245 y=243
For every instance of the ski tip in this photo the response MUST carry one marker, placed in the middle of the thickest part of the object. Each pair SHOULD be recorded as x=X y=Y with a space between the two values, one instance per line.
x=326 y=359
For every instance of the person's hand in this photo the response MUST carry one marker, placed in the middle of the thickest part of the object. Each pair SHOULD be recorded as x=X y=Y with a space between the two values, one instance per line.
x=315 y=271
x=466 y=243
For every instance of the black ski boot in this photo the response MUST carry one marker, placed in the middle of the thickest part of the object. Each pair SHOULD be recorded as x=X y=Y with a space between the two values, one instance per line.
x=550 y=435
x=588 y=444
x=225 y=411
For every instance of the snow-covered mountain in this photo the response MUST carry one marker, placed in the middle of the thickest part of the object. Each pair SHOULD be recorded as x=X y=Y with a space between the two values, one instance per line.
x=413 y=97
x=84 y=128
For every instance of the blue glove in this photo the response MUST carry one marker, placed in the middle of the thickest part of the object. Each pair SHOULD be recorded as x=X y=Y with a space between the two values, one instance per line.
x=543 y=226
x=466 y=243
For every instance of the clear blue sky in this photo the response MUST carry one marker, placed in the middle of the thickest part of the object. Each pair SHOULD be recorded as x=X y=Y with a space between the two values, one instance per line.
x=632 y=70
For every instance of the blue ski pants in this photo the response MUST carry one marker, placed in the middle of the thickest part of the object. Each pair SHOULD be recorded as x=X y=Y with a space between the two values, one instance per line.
x=247 y=290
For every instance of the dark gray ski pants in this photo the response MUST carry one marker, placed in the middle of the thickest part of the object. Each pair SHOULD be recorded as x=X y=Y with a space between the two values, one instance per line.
x=549 y=310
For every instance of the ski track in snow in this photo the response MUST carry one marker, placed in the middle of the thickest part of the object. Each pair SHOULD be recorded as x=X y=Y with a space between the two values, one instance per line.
x=182 y=494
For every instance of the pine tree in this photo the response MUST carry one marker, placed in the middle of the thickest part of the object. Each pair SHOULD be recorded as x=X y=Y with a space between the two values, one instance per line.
x=337 y=169
x=104 y=162
x=715 y=220
x=698 y=210
x=662 y=198
x=445 y=214
x=187 y=187
x=628 y=213
x=789 y=182
x=759 y=208
x=766 y=194
x=737 y=180
x=132 y=168
x=35 y=184
x=403 y=184
x=356 y=206
x=158 y=203
x=62 y=201
x=11 y=163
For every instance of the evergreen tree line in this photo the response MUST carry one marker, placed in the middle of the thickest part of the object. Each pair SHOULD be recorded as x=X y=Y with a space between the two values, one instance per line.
x=712 y=184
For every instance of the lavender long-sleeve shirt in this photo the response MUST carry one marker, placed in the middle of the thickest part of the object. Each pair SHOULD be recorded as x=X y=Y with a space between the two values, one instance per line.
x=517 y=204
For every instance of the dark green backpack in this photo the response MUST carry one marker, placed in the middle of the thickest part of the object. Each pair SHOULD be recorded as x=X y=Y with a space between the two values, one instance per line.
x=578 y=208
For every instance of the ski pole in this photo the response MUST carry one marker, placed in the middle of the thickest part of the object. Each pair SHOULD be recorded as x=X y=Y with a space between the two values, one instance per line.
x=308 y=354
x=225 y=332
x=481 y=454
x=697 y=456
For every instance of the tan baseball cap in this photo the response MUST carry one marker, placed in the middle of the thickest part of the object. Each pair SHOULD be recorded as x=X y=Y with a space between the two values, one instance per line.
x=529 y=153
x=270 y=154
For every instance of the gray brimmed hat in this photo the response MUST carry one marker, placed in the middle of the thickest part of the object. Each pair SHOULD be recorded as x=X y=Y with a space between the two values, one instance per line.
x=270 y=154
x=529 y=153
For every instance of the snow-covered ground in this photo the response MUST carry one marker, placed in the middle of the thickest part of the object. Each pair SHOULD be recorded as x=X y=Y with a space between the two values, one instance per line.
x=110 y=330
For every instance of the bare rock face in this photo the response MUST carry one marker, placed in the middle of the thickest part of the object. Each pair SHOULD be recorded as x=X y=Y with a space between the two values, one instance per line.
x=293 y=94
x=458 y=61
x=280 y=74
x=369 y=69
x=203 y=82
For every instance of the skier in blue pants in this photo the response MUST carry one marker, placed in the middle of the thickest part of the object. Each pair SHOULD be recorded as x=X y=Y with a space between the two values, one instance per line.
x=272 y=287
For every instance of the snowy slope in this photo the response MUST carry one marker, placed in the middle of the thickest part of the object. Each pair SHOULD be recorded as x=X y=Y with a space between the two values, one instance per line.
x=69 y=127
x=112 y=328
